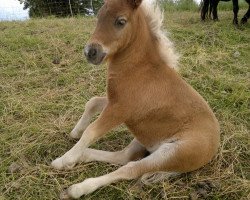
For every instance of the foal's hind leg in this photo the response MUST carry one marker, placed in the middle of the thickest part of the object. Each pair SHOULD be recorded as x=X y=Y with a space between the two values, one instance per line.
x=93 y=106
x=169 y=157
x=179 y=156
x=134 y=151
x=157 y=161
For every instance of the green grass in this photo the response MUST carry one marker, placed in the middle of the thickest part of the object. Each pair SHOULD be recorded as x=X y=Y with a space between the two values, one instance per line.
x=40 y=102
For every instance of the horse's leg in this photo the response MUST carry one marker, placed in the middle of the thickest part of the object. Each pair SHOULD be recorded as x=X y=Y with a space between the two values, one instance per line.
x=110 y=117
x=169 y=157
x=93 y=106
x=210 y=9
x=204 y=9
x=235 y=10
x=214 y=9
x=134 y=151
x=132 y=170
x=247 y=15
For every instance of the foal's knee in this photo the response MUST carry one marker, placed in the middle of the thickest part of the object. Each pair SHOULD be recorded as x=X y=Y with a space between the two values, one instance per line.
x=91 y=103
x=96 y=104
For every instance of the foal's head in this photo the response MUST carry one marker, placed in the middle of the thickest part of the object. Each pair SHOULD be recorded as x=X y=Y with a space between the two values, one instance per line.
x=117 y=21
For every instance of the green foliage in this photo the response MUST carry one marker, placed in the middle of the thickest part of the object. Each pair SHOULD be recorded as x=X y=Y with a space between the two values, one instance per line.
x=60 y=8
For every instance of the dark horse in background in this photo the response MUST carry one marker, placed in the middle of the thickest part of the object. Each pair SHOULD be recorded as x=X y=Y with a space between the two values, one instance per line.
x=212 y=5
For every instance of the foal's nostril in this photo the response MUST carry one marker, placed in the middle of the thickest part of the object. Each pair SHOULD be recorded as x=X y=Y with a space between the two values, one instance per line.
x=92 y=53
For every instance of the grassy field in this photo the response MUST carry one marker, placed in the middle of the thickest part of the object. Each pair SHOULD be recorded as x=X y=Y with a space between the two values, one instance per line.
x=45 y=82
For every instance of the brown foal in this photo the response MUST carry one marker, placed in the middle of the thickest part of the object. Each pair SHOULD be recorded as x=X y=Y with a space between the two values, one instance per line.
x=170 y=121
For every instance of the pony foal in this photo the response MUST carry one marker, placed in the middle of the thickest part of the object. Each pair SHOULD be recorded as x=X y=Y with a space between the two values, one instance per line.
x=174 y=129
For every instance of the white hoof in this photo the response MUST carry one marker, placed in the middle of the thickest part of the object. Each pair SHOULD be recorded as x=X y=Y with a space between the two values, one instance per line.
x=86 y=187
x=64 y=195
x=59 y=164
x=74 y=191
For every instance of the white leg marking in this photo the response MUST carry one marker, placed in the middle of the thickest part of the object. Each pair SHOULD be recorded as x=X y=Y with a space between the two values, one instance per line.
x=93 y=106
x=133 y=151
x=71 y=157
x=154 y=162
x=88 y=155
x=105 y=122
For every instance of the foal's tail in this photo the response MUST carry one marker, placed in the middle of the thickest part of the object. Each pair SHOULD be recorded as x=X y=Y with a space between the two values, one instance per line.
x=154 y=17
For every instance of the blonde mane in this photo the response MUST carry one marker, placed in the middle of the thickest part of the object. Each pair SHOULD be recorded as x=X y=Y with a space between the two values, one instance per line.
x=155 y=17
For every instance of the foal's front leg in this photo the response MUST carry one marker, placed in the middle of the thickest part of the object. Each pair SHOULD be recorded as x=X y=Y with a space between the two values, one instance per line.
x=108 y=119
x=93 y=106
x=134 y=151
x=156 y=161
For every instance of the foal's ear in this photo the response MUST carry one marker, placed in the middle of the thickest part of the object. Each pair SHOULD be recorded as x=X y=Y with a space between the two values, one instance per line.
x=134 y=3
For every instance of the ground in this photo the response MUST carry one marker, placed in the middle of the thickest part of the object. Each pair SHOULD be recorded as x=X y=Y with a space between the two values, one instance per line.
x=45 y=82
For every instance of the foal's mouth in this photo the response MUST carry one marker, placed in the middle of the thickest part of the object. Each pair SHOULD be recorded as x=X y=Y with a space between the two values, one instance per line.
x=94 y=53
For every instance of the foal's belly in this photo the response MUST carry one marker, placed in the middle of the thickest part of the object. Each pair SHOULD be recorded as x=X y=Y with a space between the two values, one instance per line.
x=153 y=133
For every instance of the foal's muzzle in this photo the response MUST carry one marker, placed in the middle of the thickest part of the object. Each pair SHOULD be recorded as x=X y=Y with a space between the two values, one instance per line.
x=94 y=53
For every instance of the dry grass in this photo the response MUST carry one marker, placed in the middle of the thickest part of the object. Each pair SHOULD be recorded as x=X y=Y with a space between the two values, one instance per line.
x=40 y=102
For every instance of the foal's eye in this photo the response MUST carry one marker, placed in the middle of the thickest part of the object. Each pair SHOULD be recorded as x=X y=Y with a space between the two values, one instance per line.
x=120 y=22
